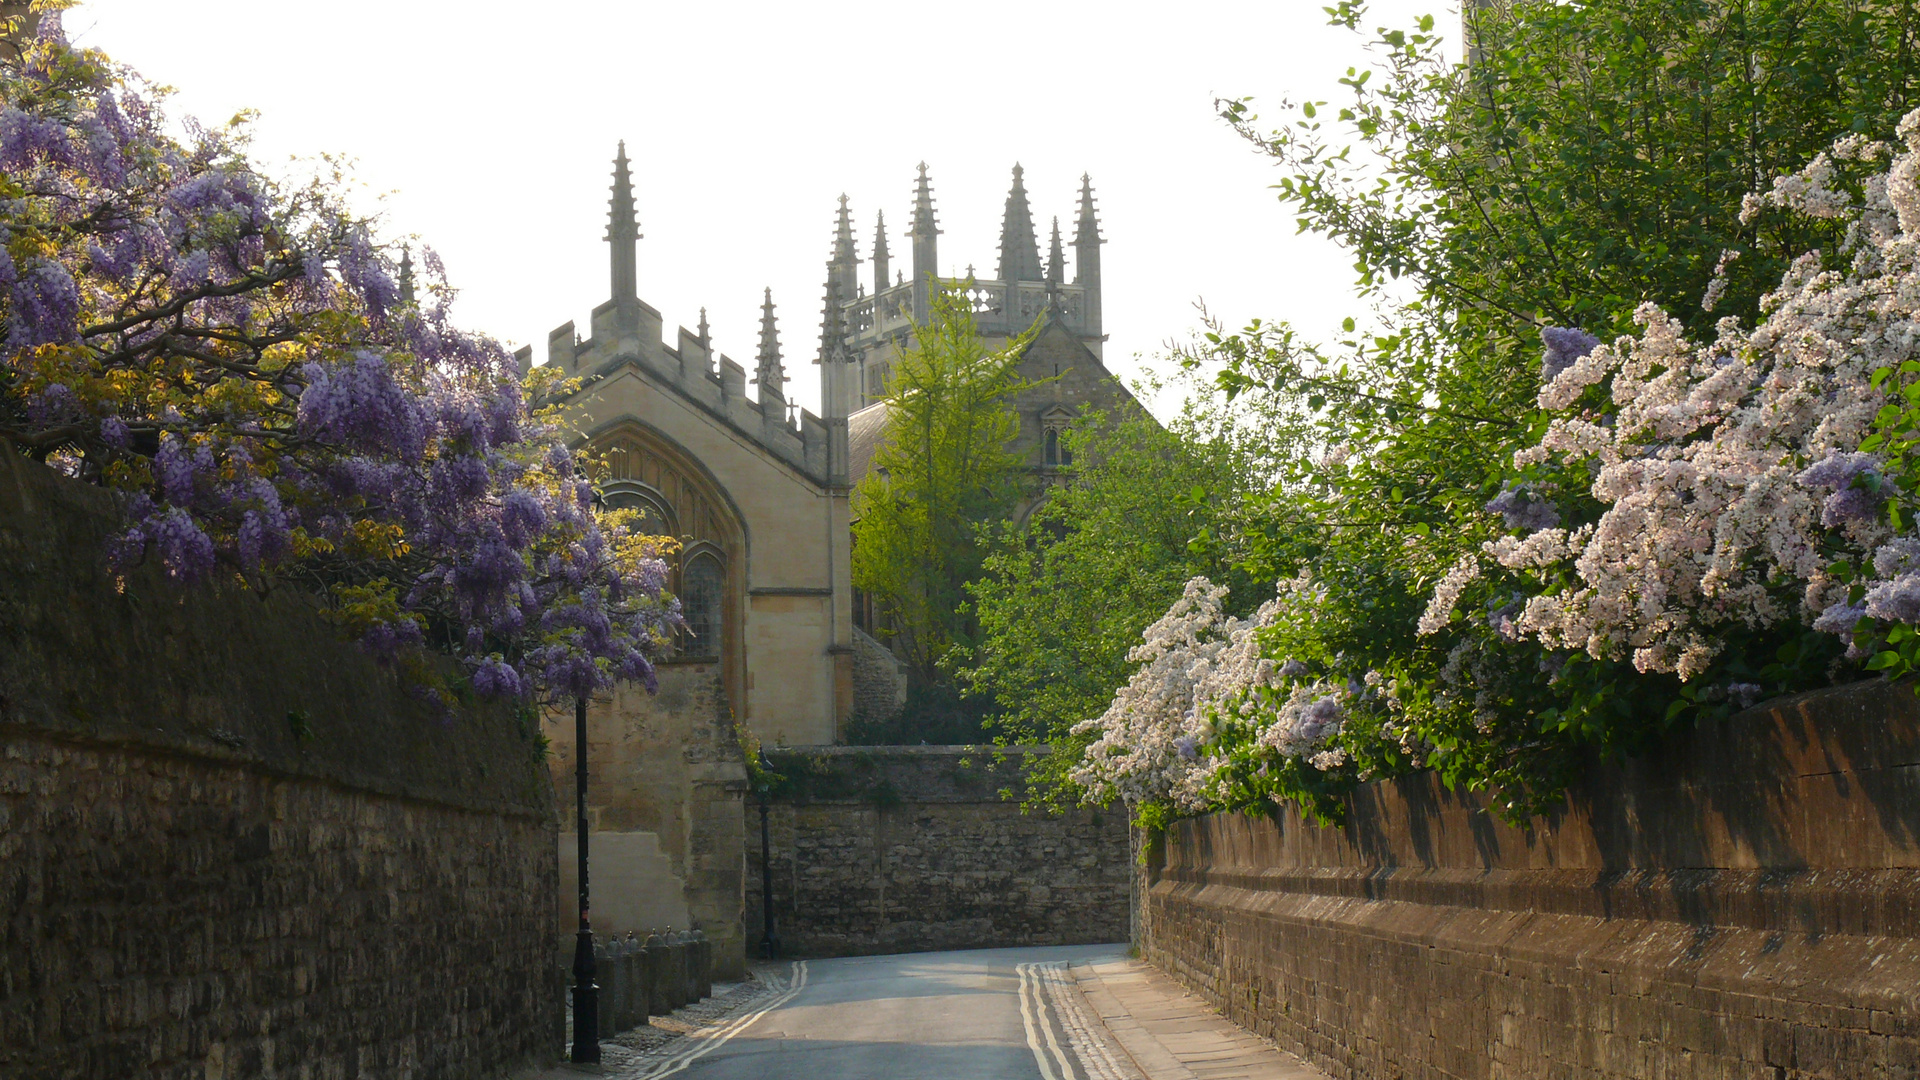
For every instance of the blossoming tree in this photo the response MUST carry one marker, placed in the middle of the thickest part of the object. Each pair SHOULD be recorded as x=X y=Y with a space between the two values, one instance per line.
x=246 y=365
x=1684 y=502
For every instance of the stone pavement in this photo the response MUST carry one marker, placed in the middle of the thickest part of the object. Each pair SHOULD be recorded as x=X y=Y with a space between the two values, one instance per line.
x=1173 y=1035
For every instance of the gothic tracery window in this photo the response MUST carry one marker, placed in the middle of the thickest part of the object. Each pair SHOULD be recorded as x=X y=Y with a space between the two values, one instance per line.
x=701 y=605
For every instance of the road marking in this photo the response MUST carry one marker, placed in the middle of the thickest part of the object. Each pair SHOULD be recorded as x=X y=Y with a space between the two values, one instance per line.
x=1029 y=993
x=1093 y=1053
x=711 y=1041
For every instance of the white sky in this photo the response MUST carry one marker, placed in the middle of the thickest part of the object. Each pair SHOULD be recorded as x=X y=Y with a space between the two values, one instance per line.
x=493 y=128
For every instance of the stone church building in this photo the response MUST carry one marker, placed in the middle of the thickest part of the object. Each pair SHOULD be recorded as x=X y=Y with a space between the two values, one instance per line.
x=758 y=491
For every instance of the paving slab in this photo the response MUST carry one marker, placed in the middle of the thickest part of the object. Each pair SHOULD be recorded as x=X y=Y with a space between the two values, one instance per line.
x=1172 y=1034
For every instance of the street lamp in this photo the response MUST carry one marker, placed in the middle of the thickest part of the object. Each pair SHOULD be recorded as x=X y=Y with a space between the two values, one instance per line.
x=769 y=944
x=586 y=996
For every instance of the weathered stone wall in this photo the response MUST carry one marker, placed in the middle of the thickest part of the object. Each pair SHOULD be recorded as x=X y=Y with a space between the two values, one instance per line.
x=913 y=848
x=232 y=846
x=1746 y=903
x=879 y=679
x=666 y=764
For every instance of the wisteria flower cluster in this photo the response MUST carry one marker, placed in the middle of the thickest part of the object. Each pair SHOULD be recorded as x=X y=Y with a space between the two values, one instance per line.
x=249 y=367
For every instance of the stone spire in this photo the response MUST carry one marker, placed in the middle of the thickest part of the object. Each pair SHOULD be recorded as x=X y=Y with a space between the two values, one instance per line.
x=769 y=374
x=406 y=275
x=1086 y=256
x=1056 y=258
x=623 y=229
x=880 y=281
x=706 y=335
x=835 y=401
x=926 y=254
x=1019 y=248
x=846 y=261
x=833 y=323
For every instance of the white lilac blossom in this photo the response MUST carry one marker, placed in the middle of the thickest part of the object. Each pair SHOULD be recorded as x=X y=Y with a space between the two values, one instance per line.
x=1201 y=671
x=1447 y=594
x=1730 y=466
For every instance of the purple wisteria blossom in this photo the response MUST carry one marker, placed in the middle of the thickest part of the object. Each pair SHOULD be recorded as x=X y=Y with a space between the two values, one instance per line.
x=241 y=363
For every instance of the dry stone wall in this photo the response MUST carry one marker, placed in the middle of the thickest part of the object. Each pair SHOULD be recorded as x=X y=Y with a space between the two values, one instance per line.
x=1746 y=903
x=231 y=846
x=914 y=848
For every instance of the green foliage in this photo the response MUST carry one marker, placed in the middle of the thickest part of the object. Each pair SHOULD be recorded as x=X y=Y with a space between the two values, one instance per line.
x=934 y=713
x=944 y=475
x=1595 y=157
x=1067 y=593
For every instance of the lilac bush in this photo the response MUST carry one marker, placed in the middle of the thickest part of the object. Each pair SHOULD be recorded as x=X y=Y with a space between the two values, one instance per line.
x=1684 y=500
x=275 y=400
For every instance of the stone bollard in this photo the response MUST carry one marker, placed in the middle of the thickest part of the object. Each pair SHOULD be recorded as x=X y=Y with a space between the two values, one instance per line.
x=607 y=977
x=704 y=949
x=659 y=961
x=623 y=1005
x=632 y=964
x=693 y=965
x=676 y=969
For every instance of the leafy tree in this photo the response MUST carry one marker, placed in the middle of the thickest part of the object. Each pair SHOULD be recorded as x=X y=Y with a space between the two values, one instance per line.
x=1066 y=594
x=1599 y=154
x=944 y=474
x=246 y=365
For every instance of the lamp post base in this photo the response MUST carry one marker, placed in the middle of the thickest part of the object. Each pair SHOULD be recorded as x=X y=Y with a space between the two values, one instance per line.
x=586 y=1002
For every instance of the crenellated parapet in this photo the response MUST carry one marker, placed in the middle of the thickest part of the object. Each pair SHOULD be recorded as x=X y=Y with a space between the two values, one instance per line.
x=629 y=334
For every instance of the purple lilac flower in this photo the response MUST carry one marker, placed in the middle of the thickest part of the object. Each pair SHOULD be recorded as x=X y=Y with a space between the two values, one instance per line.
x=1897 y=600
x=1319 y=717
x=1292 y=669
x=1856 y=483
x=1744 y=694
x=1187 y=747
x=1564 y=345
x=1840 y=619
x=1521 y=509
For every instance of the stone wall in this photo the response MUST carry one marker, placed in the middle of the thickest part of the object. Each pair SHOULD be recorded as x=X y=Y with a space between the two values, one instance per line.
x=665 y=777
x=879 y=679
x=913 y=848
x=232 y=846
x=1746 y=903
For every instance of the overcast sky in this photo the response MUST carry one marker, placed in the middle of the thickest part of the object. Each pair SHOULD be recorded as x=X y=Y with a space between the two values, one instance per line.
x=493 y=127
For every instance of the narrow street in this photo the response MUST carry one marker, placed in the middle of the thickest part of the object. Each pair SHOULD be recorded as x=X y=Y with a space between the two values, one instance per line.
x=983 y=1015
x=1066 y=1013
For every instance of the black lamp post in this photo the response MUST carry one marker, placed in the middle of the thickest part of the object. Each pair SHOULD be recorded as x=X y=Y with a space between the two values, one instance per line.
x=586 y=996
x=769 y=944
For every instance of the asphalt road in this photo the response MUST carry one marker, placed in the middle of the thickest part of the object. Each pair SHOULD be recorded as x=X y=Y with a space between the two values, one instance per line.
x=991 y=1014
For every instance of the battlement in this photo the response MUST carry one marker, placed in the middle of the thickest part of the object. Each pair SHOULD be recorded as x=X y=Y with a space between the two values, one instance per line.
x=629 y=334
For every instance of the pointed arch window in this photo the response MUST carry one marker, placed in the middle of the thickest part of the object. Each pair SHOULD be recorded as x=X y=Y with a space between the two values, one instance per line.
x=701 y=603
x=1054 y=451
x=654 y=519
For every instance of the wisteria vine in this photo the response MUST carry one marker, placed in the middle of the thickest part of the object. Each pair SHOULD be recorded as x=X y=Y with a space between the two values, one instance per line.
x=277 y=400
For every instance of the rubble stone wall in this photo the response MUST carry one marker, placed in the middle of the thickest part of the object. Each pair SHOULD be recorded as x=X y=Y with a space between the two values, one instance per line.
x=914 y=848
x=231 y=845
x=1745 y=903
